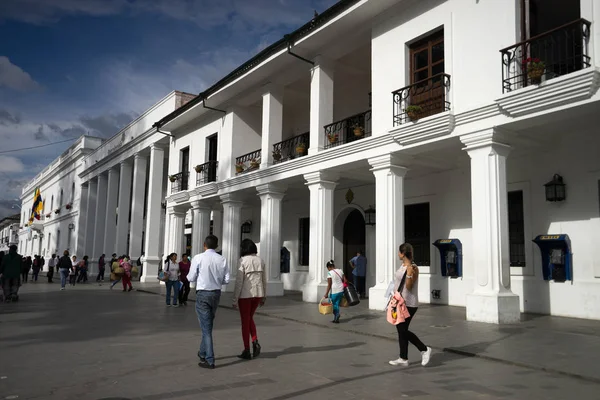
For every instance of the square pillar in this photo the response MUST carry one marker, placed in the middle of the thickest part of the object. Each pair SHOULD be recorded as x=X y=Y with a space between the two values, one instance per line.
x=232 y=214
x=110 y=220
x=389 y=224
x=177 y=231
x=321 y=189
x=90 y=222
x=492 y=300
x=217 y=219
x=100 y=217
x=81 y=222
x=272 y=122
x=200 y=225
x=138 y=202
x=152 y=246
x=270 y=235
x=321 y=102
x=124 y=205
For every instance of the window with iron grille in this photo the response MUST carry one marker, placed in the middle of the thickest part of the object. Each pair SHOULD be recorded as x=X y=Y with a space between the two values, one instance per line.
x=417 y=232
x=516 y=228
x=303 y=238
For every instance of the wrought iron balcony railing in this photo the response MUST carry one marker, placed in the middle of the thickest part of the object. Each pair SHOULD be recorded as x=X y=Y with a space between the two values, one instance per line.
x=206 y=172
x=348 y=130
x=422 y=99
x=558 y=52
x=248 y=162
x=291 y=148
x=179 y=182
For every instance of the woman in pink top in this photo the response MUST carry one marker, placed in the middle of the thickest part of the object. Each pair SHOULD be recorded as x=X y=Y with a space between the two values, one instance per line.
x=184 y=269
x=127 y=275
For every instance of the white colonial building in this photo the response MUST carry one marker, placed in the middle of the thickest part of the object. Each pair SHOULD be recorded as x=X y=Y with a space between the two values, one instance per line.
x=9 y=232
x=466 y=128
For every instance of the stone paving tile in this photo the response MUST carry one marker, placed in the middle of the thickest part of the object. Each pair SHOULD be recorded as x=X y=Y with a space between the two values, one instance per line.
x=90 y=343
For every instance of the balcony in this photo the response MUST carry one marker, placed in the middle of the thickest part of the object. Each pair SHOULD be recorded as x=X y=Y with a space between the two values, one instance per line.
x=558 y=52
x=422 y=99
x=291 y=148
x=348 y=130
x=248 y=162
x=206 y=172
x=179 y=182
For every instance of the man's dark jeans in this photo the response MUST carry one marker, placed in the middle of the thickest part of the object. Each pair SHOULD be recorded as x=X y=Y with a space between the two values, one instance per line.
x=206 y=308
x=359 y=285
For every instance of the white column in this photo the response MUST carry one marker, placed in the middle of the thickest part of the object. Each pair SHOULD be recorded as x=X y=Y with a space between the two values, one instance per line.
x=124 y=205
x=321 y=102
x=138 y=201
x=389 y=224
x=100 y=217
x=217 y=218
x=272 y=122
x=321 y=189
x=153 y=214
x=90 y=223
x=110 y=224
x=81 y=221
x=178 y=231
x=232 y=214
x=166 y=243
x=200 y=225
x=492 y=300
x=270 y=235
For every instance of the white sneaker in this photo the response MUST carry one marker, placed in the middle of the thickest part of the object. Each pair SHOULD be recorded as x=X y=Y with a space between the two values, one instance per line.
x=62 y=288
x=426 y=356
x=399 y=361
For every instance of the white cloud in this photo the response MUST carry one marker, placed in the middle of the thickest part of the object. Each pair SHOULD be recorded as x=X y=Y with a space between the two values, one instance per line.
x=13 y=77
x=10 y=164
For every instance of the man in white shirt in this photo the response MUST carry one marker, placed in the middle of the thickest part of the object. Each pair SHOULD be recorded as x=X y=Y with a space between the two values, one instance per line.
x=51 y=265
x=208 y=273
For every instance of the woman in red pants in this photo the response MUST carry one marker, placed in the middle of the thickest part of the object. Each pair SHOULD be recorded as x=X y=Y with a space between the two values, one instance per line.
x=249 y=293
x=126 y=279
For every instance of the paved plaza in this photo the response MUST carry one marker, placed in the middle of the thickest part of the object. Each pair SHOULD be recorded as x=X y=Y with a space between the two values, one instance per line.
x=92 y=343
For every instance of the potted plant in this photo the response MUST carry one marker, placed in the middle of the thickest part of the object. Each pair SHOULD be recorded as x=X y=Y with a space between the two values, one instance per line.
x=255 y=163
x=199 y=168
x=535 y=69
x=358 y=130
x=240 y=167
x=413 y=112
x=276 y=155
x=68 y=206
x=332 y=137
x=301 y=148
x=172 y=178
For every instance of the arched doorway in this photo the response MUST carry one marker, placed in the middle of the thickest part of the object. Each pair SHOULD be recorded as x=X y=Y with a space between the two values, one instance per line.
x=353 y=238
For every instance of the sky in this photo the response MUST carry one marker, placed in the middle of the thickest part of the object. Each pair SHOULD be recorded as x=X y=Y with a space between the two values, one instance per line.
x=73 y=67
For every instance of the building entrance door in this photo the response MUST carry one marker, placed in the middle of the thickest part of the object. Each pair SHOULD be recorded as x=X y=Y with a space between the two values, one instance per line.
x=354 y=240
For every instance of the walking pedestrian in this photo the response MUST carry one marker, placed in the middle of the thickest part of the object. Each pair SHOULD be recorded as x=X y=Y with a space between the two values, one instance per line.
x=208 y=273
x=74 y=271
x=83 y=268
x=184 y=270
x=359 y=272
x=101 y=269
x=335 y=286
x=406 y=281
x=64 y=266
x=51 y=265
x=25 y=268
x=171 y=270
x=115 y=264
x=250 y=292
x=37 y=265
x=126 y=278
x=10 y=268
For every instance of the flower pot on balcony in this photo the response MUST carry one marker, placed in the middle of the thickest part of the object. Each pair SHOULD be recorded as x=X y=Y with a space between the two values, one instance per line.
x=535 y=75
x=358 y=131
x=199 y=168
x=172 y=178
x=332 y=139
x=276 y=156
x=239 y=169
x=301 y=149
x=413 y=115
x=254 y=164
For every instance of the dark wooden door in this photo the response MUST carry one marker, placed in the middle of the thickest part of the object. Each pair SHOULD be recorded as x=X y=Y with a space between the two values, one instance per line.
x=354 y=239
x=212 y=156
x=427 y=67
x=185 y=168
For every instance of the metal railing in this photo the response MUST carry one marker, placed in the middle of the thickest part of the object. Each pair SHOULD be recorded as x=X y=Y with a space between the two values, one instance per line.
x=348 y=130
x=291 y=148
x=206 y=172
x=179 y=182
x=422 y=99
x=248 y=162
x=558 y=52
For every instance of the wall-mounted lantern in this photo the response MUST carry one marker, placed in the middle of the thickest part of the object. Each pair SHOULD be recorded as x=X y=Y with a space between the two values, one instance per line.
x=247 y=227
x=71 y=226
x=370 y=216
x=556 y=189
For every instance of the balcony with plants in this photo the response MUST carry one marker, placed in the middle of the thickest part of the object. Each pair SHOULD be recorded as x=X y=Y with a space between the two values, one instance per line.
x=348 y=130
x=555 y=53
x=291 y=148
x=421 y=99
x=248 y=162
x=179 y=182
x=206 y=173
